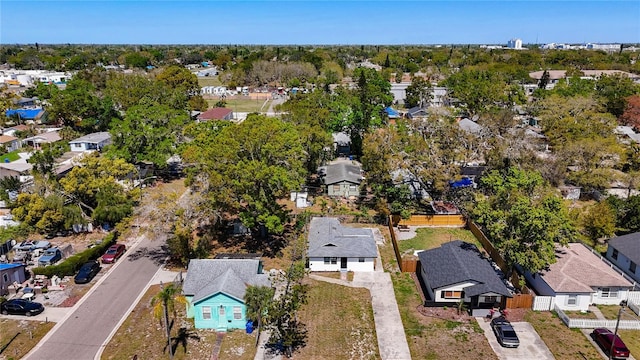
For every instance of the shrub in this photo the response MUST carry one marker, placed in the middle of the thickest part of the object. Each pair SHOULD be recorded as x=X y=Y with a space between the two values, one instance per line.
x=71 y=264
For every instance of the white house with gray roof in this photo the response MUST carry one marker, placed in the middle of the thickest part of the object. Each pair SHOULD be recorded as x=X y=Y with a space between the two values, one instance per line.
x=457 y=271
x=579 y=278
x=91 y=142
x=333 y=247
x=624 y=252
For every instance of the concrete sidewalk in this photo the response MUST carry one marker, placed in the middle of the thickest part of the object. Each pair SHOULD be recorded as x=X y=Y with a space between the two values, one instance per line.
x=392 y=341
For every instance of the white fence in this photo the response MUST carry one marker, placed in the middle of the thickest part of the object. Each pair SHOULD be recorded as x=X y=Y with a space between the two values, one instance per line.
x=595 y=323
x=633 y=297
x=543 y=303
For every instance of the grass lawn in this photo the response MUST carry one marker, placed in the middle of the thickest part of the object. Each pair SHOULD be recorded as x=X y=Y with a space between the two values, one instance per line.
x=437 y=337
x=209 y=81
x=610 y=312
x=429 y=238
x=238 y=345
x=563 y=342
x=142 y=335
x=581 y=315
x=29 y=334
x=12 y=156
x=334 y=274
x=340 y=324
x=244 y=104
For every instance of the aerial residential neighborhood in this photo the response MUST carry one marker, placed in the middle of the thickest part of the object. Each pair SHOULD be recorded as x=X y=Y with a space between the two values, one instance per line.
x=311 y=181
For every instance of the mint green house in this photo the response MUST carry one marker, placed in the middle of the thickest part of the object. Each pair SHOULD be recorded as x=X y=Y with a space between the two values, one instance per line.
x=215 y=288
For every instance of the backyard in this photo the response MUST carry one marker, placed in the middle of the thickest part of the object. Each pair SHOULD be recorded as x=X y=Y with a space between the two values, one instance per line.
x=243 y=104
x=339 y=321
x=429 y=238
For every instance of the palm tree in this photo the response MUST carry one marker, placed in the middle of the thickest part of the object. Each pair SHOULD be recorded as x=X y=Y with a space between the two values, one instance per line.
x=165 y=302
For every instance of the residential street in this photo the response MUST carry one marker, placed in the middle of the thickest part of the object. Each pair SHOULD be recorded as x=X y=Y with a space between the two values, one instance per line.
x=82 y=334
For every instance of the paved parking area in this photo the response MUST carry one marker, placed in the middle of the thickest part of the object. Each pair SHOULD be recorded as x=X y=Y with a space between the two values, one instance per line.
x=531 y=346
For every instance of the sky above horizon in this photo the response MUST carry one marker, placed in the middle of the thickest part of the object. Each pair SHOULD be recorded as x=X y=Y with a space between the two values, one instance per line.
x=318 y=22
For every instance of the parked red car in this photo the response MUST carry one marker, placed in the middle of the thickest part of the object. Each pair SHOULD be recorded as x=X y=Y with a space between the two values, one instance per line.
x=605 y=338
x=113 y=253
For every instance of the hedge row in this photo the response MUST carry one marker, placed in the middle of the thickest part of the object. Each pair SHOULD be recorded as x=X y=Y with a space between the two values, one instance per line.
x=71 y=264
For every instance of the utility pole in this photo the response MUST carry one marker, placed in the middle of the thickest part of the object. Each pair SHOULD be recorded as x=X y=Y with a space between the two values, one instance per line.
x=615 y=333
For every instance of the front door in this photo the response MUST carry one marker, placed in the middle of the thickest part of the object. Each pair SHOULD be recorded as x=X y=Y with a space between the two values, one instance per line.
x=222 y=319
x=343 y=263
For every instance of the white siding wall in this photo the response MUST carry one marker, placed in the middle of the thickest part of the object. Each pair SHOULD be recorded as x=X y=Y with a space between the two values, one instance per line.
x=597 y=297
x=456 y=287
x=582 y=303
x=353 y=264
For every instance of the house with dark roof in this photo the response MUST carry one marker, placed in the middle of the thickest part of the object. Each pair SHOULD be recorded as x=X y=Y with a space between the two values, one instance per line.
x=333 y=247
x=624 y=252
x=579 y=278
x=342 y=178
x=417 y=112
x=341 y=143
x=91 y=142
x=218 y=113
x=457 y=271
x=215 y=289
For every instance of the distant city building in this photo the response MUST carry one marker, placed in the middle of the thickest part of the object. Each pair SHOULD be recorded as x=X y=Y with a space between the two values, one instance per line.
x=587 y=46
x=514 y=44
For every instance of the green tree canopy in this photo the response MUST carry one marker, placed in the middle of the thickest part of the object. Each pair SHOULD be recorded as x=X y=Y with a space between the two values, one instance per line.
x=523 y=217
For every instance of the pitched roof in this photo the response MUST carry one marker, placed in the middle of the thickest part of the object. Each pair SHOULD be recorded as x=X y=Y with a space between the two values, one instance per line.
x=17 y=166
x=328 y=238
x=458 y=261
x=6 y=138
x=341 y=138
x=26 y=114
x=97 y=137
x=628 y=245
x=206 y=277
x=470 y=126
x=578 y=270
x=47 y=137
x=343 y=171
x=218 y=113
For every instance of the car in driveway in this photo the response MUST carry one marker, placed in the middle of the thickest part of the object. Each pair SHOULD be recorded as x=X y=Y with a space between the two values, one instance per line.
x=21 y=307
x=505 y=333
x=113 y=253
x=50 y=257
x=87 y=272
x=605 y=338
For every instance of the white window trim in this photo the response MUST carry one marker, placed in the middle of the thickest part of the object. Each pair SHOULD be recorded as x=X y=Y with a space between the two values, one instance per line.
x=208 y=313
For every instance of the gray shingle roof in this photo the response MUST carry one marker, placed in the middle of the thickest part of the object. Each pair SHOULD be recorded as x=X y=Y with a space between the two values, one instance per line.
x=206 y=277
x=628 y=245
x=343 y=171
x=92 y=138
x=327 y=238
x=457 y=261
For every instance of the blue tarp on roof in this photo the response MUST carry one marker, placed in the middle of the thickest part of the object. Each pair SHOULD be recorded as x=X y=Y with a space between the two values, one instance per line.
x=391 y=112
x=464 y=182
x=27 y=114
x=9 y=266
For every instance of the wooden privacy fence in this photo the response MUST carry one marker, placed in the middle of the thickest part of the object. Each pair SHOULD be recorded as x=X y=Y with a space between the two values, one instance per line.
x=394 y=241
x=437 y=220
x=519 y=301
x=410 y=265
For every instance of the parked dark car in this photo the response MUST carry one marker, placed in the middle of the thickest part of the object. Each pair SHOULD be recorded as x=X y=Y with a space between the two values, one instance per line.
x=113 y=253
x=21 y=307
x=505 y=333
x=605 y=338
x=87 y=272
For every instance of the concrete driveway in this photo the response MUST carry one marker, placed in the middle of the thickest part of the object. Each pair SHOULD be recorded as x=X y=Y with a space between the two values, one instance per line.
x=531 y=346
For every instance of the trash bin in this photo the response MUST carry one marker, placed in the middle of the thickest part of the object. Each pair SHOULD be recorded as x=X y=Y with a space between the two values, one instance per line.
x=249 y=327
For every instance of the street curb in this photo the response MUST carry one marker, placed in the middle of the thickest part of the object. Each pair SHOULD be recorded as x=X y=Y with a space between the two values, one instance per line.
x=82 y=300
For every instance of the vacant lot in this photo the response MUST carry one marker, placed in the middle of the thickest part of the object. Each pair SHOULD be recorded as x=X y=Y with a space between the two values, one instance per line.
x=429 y=238
x=209 y=81
x=563 y=342
x=17 y=337
x=243 y=104
x=142 y=335
x=340 y=324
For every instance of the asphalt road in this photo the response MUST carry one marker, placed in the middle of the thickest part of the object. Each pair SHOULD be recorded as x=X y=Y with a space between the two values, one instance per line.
x=82 y=334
